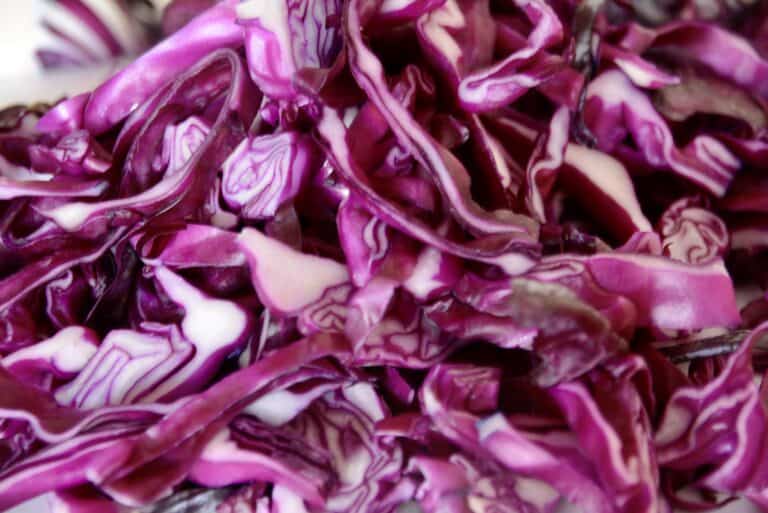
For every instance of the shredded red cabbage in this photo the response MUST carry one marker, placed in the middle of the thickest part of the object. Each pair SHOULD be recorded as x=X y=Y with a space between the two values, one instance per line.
x=377 y=256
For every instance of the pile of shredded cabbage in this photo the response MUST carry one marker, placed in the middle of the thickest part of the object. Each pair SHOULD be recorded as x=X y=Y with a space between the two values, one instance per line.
x=467 y=256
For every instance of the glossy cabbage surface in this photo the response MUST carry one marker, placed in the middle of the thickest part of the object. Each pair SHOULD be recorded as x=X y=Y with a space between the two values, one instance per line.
x=363 y=256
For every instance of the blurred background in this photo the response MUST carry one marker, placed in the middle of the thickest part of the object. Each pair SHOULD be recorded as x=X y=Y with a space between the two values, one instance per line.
x=54 y=48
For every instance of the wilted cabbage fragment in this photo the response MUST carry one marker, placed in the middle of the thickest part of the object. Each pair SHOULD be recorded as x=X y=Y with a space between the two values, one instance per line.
x=524 y=309
x=666 y=292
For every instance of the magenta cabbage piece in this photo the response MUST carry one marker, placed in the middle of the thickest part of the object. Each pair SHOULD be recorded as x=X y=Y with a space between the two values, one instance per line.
x=264 y=173
x=282 y=38
x=462 y=256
